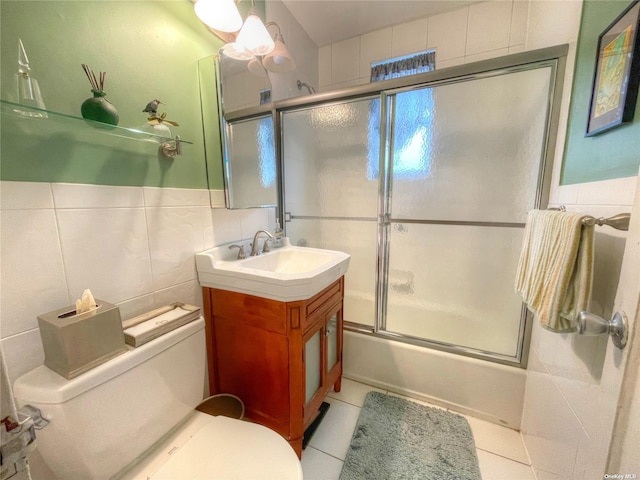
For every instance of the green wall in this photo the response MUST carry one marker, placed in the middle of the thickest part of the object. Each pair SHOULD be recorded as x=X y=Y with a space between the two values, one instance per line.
x=611 y=154
x=149 y=49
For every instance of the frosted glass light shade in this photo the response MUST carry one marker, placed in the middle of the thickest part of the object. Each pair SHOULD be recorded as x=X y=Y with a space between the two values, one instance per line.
x=254 y=36
x=222 y=15
x=279 y=60
x=256 y=68
x=237 y=52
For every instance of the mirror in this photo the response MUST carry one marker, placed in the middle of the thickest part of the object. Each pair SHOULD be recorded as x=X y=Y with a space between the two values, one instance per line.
x=247 y=155
x=250 y=163
x=211 y=109
x=244 y=84
x=245 y=90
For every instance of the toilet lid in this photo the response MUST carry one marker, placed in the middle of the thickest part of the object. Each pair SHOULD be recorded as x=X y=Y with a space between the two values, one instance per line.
x=227 y=448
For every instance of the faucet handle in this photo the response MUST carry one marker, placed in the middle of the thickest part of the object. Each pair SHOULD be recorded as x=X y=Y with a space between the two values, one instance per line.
x=265 y=246
x=241 y=254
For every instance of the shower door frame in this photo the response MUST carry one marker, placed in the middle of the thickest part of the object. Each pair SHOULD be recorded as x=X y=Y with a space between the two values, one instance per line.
x=553 y=57
x=386 y=219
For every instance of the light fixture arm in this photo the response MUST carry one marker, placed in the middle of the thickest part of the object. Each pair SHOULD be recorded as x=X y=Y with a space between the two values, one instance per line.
x=279 y=60
x=274 y=24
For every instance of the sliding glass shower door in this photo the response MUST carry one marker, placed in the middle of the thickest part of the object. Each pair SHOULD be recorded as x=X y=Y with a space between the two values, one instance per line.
x=465 y=162
x=331 y=191
x=427 y=187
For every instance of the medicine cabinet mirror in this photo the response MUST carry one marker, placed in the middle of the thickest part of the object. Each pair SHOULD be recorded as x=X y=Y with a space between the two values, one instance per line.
x=250 y=163
x=248 y=145
x=244 y=84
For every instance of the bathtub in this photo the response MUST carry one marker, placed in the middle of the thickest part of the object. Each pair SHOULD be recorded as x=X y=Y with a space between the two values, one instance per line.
x=483 y=389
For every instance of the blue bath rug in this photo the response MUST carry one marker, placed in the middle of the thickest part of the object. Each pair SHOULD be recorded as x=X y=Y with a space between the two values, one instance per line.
x=398 y=439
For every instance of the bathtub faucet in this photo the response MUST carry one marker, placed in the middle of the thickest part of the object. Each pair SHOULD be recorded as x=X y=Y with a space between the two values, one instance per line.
x=254 y=246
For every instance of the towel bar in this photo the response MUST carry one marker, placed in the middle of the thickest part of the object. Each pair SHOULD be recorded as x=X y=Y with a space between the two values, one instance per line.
x=619 y=222
x=591 y=324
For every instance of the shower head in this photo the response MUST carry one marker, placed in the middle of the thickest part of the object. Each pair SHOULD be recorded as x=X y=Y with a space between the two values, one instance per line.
x=309 y=87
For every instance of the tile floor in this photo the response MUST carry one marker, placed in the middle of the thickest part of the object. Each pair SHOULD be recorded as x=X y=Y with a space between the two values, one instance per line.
x=501 y=453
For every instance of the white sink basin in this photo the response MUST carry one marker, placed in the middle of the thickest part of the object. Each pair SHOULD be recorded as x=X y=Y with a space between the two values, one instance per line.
x=285 y=274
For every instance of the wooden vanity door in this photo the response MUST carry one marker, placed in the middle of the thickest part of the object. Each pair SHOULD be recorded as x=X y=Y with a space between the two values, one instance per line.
x=322 y=357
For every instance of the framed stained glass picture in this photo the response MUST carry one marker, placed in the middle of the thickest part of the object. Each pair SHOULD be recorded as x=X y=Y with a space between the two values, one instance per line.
x=617 y=73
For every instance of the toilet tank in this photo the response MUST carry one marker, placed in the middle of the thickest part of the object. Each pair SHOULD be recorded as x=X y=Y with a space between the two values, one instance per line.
x=102 y=420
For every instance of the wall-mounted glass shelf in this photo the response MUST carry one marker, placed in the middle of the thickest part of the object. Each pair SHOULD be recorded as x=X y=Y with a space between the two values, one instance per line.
x=28 y=113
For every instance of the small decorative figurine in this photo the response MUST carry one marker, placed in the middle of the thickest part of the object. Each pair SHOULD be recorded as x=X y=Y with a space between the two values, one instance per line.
x=98 y=108
x=157 y=124
x=27 y=88
x=152 y=107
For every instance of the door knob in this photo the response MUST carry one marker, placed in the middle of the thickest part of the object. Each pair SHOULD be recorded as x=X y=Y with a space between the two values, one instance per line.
x=591 y=324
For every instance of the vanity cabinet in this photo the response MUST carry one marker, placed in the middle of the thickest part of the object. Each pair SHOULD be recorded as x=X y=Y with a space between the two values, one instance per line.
x=280 y=358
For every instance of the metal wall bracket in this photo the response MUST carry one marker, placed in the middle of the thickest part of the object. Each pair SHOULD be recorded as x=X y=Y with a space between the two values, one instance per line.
x=617 y=327
x=173 y=148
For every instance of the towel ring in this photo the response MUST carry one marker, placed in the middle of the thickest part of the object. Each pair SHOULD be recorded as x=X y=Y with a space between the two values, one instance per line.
x=591 y=324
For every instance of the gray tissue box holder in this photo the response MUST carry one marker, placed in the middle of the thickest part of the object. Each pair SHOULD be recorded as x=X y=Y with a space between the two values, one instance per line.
x=74 y=343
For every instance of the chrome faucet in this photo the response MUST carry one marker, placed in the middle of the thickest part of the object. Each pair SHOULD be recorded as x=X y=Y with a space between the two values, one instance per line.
x=255 y=250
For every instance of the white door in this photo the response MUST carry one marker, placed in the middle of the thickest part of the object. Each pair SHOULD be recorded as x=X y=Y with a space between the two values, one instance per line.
x=623 y=453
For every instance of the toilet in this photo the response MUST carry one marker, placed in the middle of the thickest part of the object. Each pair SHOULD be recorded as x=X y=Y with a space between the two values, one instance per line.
x=133 y=417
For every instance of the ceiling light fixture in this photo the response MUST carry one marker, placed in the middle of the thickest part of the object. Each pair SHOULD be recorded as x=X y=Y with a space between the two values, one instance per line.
x=254 y=35
x=222 y=15
x=255 y=66
x=236 y=51
x=279 y=60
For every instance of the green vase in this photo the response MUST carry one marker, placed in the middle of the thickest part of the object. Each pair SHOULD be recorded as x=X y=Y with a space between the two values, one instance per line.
x=99 y=109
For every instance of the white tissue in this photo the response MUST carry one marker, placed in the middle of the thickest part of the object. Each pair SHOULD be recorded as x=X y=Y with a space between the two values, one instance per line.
x=86 y=303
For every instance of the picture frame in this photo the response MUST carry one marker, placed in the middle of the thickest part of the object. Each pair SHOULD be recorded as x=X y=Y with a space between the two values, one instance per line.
x=617 y=73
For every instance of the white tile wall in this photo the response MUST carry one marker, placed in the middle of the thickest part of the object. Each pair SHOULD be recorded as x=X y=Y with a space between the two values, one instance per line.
x=573 y=381
x=173 y=234
x=409 y=37
x=477 y=57
x=113 y=240
x=448 y=35
x=374 y=47
x=71 y=195
x=344 y=60
x=133 y=246
x=489 y=26
x=175 y=197
x=553 y=22
x=25 y=195
x=324 y=67
x=626 y=434
x=480 y=31
x=217 y=198
x=32 y=275
x=519 y=16
x=22 y=353
x=302 y=49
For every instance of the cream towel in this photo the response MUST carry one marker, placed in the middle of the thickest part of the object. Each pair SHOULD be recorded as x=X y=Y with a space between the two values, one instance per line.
x=555 y=271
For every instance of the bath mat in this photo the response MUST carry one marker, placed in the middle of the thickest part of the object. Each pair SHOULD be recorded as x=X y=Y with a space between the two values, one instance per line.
x=398 y=439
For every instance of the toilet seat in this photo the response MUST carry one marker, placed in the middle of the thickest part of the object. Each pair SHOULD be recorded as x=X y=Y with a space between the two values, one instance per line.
x=207 y=447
